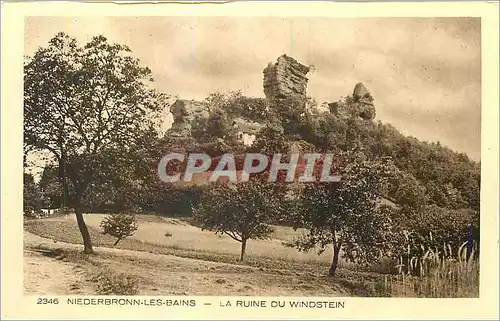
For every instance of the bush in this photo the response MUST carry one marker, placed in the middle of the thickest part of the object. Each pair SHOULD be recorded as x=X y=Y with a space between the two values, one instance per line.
x=171 y=200
x=110 y=283
x=436 y=229
x=119 y=226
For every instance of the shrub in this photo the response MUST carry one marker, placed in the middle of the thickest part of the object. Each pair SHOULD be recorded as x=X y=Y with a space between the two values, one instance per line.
x=171 y=200
x=109 y=283
x=119 y=225
x=435 y=229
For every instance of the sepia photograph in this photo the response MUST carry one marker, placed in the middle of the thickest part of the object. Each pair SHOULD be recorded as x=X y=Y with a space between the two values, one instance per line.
x=173 y=161
x=252 y=156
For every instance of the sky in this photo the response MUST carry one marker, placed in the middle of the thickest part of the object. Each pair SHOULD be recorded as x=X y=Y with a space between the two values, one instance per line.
x=424 y=73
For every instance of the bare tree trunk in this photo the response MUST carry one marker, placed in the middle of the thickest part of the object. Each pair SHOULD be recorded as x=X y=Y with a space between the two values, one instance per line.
x=87 y=243
x=243 y=248
x=118 y=240
x=335 y=260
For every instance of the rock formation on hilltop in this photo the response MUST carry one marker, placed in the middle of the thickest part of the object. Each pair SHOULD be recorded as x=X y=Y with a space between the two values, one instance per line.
x=360 y=104
x=186 y=113
x=285 y=85
x=285 y=79
x=364 y=101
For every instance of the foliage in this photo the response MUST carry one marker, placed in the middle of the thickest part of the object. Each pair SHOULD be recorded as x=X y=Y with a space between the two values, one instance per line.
x=242 y=211
x=450 y=179
x=347 y=214
x=270 y=140
x=86 y=105
x=50 y=186
x=434 y=228
x=236 y=105
x=216 y=132
x=171 y=199
x=32 y=196
x=92 y=108
x=435 y=190
x=405 y=190
x=119 y=225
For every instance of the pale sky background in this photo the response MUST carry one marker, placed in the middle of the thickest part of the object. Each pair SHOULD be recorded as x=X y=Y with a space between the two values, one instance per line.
x=424 y=74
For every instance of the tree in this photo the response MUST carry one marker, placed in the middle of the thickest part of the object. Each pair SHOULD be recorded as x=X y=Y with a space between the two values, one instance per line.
x=50 y=186
x=347 y=215
x=119 y=225
x=243 y=211
x=86 y=105
x=270 y=140
x=32 y=197
x=405 y=190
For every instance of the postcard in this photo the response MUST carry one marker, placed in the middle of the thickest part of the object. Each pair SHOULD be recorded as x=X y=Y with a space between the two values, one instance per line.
x=247 y=160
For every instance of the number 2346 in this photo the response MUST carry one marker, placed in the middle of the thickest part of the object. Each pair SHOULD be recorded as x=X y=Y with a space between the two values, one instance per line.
x=47 y=301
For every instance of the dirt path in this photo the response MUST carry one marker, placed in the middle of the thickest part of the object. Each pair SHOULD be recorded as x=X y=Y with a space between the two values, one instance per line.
x=47 y=275
x=160 y=274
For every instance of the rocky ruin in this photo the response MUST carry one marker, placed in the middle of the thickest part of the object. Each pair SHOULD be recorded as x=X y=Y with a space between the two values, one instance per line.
x=360 y=104
x=285 y=79
x=185 y=114
x=364 y=101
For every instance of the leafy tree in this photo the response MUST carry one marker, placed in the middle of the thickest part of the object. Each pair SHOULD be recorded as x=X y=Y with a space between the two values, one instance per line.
x=149 y=193
x=290 y=112
x=32 y=197
x=169 y=199
x=243 y=211
x=406 y=191
x=347 y=215
x=270 y=140
x=50 y=186
x=86 y=105
x=119 y=225
x=451 y=179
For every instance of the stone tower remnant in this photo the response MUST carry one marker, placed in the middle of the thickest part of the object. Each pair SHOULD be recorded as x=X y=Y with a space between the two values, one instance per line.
x=285 y=79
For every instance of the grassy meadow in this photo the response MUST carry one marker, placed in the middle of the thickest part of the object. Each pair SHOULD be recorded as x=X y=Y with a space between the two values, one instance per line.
x=157 y=236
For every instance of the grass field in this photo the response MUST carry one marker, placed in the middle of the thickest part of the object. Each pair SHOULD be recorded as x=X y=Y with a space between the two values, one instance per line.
x=170 y=256
x=152 y=230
